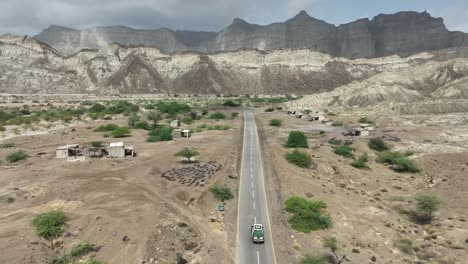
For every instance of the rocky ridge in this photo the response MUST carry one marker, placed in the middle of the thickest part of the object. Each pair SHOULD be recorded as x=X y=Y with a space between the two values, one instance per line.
x=403 y=33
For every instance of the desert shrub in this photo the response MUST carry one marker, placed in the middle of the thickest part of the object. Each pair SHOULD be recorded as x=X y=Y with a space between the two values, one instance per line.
x=361 y=162
x=187 y=153
x=160 y=134
x=62 y=259
x=378 y=144
x=399 y=162
x=187 y=120
x=344 y=151
x=16 y=156
x=313 y=259
x=222 y=193
x=337 y=123
x=202 y=126
x=270 y=109
x=297 y=139
x=365 y=120
x=276 y=122
x=97 y=108
x=2 y=128
x=331 y=114
x=142 y=125
x=11 y=199
x=405 y=245
x=427 y=204
x=121 y=132
x=49 y=225
x=7 y=145
x=172 y=107
x=106 y=128
x=96 y=144
x=299 y=158
x=219 y=127
x=232 y=103
x=82 y=249
x=307 y=215
x=279 y=108
x=307 y=111
x=322 y=132
x=234 y=114
x=217 y=116
x=132 y=120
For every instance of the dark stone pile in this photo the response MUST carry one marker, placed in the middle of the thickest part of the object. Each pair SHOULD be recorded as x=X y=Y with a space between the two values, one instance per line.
x=192 y=175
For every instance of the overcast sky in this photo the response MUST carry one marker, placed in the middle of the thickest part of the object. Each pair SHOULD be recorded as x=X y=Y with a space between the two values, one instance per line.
x=32 y=16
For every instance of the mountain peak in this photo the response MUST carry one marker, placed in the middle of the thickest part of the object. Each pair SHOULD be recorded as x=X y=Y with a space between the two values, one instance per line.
x=238 y=21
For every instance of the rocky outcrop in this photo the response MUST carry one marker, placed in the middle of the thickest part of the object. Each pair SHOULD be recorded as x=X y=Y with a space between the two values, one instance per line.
x=403 y=33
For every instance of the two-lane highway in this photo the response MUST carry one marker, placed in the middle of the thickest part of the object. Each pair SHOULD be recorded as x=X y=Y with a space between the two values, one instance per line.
x=252 y=200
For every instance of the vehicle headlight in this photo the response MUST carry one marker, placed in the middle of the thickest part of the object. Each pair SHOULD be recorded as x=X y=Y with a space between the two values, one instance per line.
x=261 y=237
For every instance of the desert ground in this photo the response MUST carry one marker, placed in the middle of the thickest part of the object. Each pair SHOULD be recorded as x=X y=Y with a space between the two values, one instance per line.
x=122 y=205
x=370 y=208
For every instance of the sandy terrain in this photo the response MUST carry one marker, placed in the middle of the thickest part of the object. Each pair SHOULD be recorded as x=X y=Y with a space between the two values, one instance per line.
x=123 y=205
x=368 y=221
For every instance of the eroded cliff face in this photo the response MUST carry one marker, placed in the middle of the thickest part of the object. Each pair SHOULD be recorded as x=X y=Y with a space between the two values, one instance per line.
x=403 y=34
x=29 y=66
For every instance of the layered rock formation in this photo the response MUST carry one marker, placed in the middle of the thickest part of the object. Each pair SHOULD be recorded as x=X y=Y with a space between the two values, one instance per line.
x=29 y=66
x=404 y=34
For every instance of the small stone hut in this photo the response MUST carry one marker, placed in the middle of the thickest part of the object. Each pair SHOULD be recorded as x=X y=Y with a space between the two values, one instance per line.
x=67 y=151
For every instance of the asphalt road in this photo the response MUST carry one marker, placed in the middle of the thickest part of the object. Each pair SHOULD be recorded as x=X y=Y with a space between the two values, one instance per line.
x=252 y=200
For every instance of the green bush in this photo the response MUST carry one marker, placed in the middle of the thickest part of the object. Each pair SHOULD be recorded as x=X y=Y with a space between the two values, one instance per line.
x=307 y=215
x=222 y=193
x=17 y=156
x=187 y=153
x=187 y=120
x=312 y=259
x=297 y=139
x=232 y=103
x=106 y=128
x=97 y=108
x=82 y=249
x=49 y=225
x=172 y=107
x=344 y=151
x=322 y=132
x=427 y=204
x=217 y=116
x=405 y=245
x=132 y=120
x=7 y=145
x=219 y=127
x=160 y=134
x=361 y=162
x=121 y=132
x=299 y=158
x=2 y=128
x=142 y=125
x=378 y=144
x=234 y=115
x=399 y=162
x=276 y=122
x=365 y=120
x=96 y=144
x=270 y=109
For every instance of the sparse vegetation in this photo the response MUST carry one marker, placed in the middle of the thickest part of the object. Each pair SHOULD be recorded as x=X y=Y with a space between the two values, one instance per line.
x=160 y=134
x=361 y=162
x=426 y=205
x=7 y=145
x=398 y=161
x=222 y=193
x=153 y=117
x=335 y=141
x=297 y=139
x=187 y=153
x=49 y=225
x=307 y=215
x=299 y=158
x=217 y=116
x=121 y=132
x=232 y=103
x=276 y=122
x=75 y=253
x=17 y=156
x=132 y=120
x=313 y=259
x=331 y=243
x=405 y=245
x=106 y=128
x=269 y=109
x=142 y=125
x=11 y=199
x=234 y=115
x=365 y=120
x=96 y=144
x=344 y=151
x=378 y=144
x=187 y=120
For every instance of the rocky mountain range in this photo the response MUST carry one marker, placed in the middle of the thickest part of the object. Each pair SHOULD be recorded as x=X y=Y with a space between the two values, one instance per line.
x=403 y=33
x=31 y=67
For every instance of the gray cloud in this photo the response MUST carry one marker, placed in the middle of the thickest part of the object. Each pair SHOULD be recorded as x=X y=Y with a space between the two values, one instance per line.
x=31 y=16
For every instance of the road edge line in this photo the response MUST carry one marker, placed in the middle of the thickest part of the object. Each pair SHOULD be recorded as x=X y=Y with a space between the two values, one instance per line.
x=264 y=191
x=240 y=189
